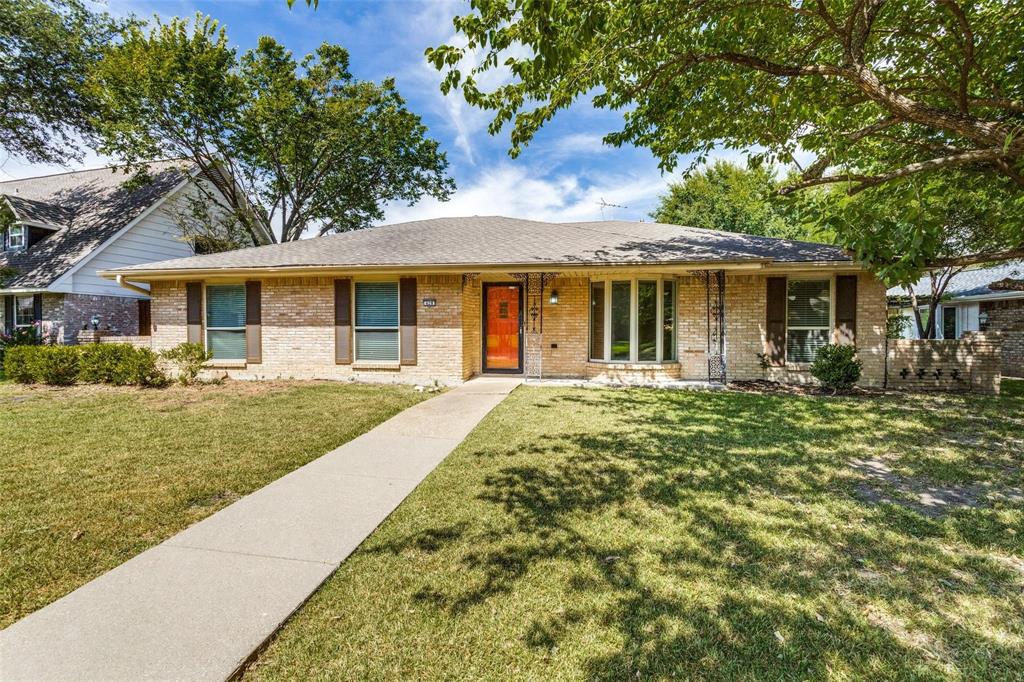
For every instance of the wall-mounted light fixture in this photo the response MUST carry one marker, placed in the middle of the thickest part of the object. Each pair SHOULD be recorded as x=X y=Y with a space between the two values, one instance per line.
x=554 y=297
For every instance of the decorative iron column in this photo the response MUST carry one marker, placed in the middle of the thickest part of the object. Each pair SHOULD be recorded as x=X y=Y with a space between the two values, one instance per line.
x=534 y=284
x=714 y=291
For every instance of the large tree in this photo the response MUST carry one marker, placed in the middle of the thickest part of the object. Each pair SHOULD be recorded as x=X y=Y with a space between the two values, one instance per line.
x=931 y=226
x=289 y=147
x=47 y=48
x=733 y=198
x=878 y=91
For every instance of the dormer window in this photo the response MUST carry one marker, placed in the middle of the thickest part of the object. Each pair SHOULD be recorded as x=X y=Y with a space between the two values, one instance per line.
x=16 y=237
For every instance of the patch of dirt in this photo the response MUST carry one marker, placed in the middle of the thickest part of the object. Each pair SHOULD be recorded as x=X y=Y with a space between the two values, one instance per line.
x=883 y=485
x=764 y=386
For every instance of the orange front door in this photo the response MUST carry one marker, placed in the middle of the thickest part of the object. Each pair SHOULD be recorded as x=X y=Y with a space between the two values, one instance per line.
x=502 y=317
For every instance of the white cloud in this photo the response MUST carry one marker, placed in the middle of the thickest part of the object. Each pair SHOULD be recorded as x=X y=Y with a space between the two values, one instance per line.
x=515 y=190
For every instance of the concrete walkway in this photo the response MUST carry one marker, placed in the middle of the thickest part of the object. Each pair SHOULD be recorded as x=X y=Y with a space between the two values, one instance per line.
x=198 y=605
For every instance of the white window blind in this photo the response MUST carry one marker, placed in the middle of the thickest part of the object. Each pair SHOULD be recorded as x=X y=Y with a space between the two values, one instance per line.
x=376 y=329
x=808 y=318
x=225 y=321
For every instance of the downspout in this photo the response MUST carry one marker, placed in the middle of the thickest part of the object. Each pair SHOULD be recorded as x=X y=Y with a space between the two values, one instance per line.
x=125 y=284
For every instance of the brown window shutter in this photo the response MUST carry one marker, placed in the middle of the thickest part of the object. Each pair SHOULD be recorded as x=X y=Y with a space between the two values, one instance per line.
x=253 y=322
x=145 y=317
x=846 y=309
x=775 y=324
x=343 y=321
x=37 y=308
x=407 y=319
x=9 y=314
x=194 y=311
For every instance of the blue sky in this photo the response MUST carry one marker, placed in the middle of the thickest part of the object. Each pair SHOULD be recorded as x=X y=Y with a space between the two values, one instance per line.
x=564 y=174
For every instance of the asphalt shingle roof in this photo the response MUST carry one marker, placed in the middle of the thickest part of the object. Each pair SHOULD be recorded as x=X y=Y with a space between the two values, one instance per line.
x=89 y=206
x=496 y=241
x=972 y=282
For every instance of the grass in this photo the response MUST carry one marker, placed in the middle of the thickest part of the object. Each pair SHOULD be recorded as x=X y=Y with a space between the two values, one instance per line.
x=637 y=534
x=1012 y=388
x=91 y=476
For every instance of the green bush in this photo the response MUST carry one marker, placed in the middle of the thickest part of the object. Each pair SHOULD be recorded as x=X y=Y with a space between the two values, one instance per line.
x=837 y=367
x=139 y=368
x=18 y=363
x=56 y=365
x=189 y=358
x=20 y=336
x=119 y=364
x=100 y=362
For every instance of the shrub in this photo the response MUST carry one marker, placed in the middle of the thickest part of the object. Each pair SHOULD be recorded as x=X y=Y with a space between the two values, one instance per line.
x=18 y=363
x=140 y=367
x=20 y=336
x=100 y=362
x=189 y=359
x=119 y=364
x=54 y=365
x=837 y=367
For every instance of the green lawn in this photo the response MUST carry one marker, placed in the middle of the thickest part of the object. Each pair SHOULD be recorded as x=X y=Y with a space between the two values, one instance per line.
x=637 y=534
x=91 y=476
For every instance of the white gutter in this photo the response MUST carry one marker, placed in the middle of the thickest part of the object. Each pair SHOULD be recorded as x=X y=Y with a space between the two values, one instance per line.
x=16 y=292
x=125 y=284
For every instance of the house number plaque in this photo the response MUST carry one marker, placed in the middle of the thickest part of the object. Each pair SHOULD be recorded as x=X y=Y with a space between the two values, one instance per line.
x=429 y=302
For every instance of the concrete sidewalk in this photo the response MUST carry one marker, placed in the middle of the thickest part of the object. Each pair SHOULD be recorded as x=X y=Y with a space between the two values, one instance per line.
x=198 y=605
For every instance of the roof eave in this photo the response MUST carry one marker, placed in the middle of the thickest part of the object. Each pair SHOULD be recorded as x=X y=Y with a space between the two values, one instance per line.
x=156 y=274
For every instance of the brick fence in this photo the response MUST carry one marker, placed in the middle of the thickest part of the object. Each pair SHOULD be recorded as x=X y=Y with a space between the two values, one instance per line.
x=1007 y=317
x=971 y=363
x=137 y=341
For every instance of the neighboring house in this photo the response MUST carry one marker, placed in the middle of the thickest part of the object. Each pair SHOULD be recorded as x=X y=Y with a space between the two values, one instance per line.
x=61 y=229
x=979 y=299
x=447 y=299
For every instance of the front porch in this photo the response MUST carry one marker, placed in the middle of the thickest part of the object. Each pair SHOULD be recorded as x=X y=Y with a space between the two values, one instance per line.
x=630 y=328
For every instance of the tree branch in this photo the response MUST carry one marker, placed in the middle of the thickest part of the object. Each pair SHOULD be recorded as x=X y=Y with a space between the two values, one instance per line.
x=866 y=181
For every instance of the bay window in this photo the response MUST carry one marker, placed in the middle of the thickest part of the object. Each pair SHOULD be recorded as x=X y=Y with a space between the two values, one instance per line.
x=633 y=320
x=376 y=328
x=225 y=321
x=808 y=318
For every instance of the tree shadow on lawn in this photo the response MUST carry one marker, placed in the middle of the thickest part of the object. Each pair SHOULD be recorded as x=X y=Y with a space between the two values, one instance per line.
x=720 y=535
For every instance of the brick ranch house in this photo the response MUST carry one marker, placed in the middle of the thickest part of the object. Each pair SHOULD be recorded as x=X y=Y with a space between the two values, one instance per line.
x=448 y=299
x=56 y=231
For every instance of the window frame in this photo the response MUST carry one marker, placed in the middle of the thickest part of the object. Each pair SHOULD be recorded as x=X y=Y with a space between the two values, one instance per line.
x=22 y=236
x=397 y=329
x=830 y=329
x=956 y=322
x=207 y=328
x=32 y=311
x=634 y=335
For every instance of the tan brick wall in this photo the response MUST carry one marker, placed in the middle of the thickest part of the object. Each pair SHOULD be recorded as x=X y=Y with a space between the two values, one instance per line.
x=1008 y=317
x=471 y=321
x=691 y=329
x=971 y=363
x=565 y=326
x=298 y=331
x=745 y=310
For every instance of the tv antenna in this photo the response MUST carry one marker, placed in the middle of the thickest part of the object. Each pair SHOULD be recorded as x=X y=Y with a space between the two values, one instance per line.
x=604 y=204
